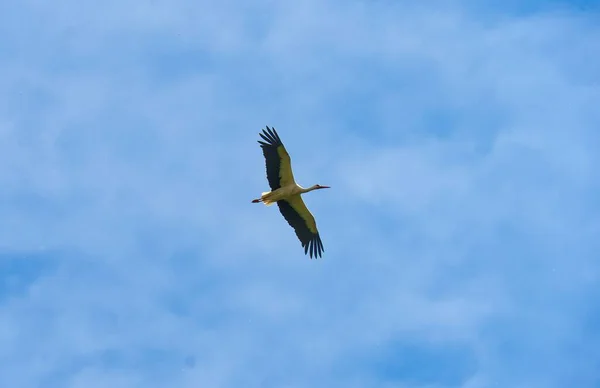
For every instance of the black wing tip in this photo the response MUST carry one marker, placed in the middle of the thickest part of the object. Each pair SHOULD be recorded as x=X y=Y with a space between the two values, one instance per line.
x=270 y=136
x=314 y=247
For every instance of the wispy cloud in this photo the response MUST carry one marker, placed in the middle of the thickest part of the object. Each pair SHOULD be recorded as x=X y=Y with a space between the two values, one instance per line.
x=460 y=143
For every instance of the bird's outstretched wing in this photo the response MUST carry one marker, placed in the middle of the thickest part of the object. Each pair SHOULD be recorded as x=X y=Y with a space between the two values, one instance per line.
x=300 y=218
x=277 y=160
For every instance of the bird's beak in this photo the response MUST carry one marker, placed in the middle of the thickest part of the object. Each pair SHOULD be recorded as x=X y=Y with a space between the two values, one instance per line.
x=324 y=187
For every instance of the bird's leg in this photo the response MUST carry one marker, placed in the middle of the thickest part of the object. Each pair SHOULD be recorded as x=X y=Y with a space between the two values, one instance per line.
x=264 y=197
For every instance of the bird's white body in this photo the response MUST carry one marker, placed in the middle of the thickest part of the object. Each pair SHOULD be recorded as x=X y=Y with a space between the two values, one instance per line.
x=282 y=193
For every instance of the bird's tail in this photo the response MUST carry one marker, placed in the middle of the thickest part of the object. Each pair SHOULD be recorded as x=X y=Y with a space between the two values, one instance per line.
x=264 y=198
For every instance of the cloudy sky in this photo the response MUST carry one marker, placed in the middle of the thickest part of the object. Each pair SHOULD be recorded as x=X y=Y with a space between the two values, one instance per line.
x=460 y=139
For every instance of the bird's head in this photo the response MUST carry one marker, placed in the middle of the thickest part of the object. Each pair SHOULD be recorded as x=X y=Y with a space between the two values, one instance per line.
x=317 y=186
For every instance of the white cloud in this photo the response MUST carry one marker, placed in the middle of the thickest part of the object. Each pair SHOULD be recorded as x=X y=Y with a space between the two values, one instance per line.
x=139 y=169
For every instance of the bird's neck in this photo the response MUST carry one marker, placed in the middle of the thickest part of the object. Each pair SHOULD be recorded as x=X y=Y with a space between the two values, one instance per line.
x=303 y=190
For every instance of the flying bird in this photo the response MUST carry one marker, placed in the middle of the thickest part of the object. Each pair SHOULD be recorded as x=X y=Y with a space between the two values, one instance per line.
x=287 y=193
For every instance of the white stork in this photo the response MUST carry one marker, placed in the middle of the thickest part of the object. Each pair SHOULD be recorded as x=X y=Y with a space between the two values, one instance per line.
x=287 y=193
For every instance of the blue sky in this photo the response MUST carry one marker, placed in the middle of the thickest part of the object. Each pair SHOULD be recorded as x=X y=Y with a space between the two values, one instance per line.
x=460 y=139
